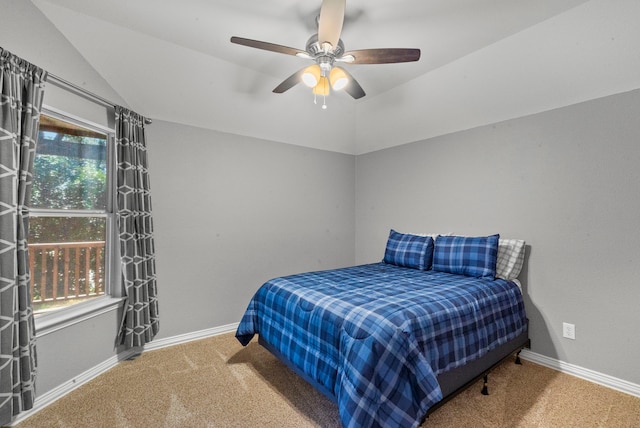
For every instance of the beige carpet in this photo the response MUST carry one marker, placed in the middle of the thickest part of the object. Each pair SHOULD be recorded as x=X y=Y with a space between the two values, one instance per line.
x=215 y=382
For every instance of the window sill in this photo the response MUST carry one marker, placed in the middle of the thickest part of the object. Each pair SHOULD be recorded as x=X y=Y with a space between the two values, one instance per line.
x=63 y=318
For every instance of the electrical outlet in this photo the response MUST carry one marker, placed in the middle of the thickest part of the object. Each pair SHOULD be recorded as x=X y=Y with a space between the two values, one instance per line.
x=568 y=330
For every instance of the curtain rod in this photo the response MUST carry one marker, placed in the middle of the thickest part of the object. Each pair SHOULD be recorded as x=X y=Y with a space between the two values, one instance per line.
x=84 y=93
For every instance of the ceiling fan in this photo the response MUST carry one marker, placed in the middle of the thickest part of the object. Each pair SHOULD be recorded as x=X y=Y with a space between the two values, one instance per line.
x=326 y=49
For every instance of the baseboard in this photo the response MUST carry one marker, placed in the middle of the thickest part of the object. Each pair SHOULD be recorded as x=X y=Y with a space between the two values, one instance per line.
x=188 y=337
x=60 y=391
x=581 y=372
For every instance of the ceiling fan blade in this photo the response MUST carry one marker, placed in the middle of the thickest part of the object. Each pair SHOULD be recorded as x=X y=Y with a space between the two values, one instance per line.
x=266 y=46
x=353 y=88
x=331 y=20
x=290 y=82
x=380 y=56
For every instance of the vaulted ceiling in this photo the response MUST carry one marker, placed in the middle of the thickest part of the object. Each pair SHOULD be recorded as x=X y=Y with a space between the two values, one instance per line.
x=172 y=60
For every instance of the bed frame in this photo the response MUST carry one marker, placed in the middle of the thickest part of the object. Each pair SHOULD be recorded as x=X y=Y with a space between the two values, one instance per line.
x=457 y=380
x=451 y=383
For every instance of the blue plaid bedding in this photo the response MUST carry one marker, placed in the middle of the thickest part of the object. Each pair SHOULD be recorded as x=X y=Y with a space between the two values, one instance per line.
x=377 y=335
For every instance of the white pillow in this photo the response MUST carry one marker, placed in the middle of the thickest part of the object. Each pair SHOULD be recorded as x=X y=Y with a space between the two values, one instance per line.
x=510 y=258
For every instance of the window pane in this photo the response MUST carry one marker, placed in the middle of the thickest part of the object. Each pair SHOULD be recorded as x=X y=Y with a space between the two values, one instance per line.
x=67 y=260
x=70 y=167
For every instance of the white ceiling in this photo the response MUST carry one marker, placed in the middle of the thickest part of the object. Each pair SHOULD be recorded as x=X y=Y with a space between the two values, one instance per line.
x=172 y=59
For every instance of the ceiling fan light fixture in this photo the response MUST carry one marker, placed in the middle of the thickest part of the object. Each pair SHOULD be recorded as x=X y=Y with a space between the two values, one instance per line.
x=311 y=75
x=322 y=88
x=339 y=78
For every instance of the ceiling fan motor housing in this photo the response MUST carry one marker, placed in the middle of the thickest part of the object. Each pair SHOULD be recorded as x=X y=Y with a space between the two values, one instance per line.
x=315 y=49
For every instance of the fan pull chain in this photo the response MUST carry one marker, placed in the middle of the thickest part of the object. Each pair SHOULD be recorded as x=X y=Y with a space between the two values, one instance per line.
x=324 y=101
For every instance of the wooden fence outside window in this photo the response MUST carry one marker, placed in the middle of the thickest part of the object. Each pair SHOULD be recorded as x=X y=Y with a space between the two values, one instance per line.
x=62 y=273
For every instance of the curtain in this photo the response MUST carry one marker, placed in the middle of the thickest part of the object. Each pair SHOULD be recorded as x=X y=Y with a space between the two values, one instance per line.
x=140 y=320
x=22 y=90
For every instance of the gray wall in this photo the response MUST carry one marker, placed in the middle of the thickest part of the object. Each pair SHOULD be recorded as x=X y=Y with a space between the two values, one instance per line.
x=567 y=181
x=231 y=212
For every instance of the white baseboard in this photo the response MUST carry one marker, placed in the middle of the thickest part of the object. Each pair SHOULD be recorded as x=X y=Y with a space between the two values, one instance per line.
x=188 y=337
x=581 y=372
x=60 y=391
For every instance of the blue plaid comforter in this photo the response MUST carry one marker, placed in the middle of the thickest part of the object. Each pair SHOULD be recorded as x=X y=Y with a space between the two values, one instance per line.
x=377 y=335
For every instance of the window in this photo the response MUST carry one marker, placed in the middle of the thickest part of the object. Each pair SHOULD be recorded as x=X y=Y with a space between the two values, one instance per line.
x=70 y=214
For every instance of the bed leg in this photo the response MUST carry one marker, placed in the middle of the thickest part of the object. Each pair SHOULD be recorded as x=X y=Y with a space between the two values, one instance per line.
x=485 y=390
x=518 y=358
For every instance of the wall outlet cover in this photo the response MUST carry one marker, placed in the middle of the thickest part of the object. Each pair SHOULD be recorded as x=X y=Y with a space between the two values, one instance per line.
x=568 y=330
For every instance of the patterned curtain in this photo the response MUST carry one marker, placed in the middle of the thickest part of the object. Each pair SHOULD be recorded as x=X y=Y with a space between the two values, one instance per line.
x=22 y=90
x=140 y=321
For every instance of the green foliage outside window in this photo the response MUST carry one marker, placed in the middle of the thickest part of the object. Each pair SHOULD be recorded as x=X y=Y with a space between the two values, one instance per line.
x=70 y=175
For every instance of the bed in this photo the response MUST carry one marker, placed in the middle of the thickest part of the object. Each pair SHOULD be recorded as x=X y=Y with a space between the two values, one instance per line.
x=389 y=341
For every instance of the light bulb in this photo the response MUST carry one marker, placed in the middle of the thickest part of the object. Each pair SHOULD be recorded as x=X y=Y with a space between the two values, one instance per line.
x=322 y=88
x=311 y=75
x=339 y=78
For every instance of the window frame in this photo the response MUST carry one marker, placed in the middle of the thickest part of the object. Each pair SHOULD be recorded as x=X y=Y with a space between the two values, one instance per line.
x=49 y=322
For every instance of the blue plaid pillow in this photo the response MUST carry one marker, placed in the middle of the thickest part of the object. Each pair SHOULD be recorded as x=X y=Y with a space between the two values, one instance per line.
x=412 y=251
x=467 y=256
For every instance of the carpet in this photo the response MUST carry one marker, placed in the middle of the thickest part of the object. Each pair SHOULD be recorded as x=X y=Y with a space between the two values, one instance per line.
x=215 y=382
